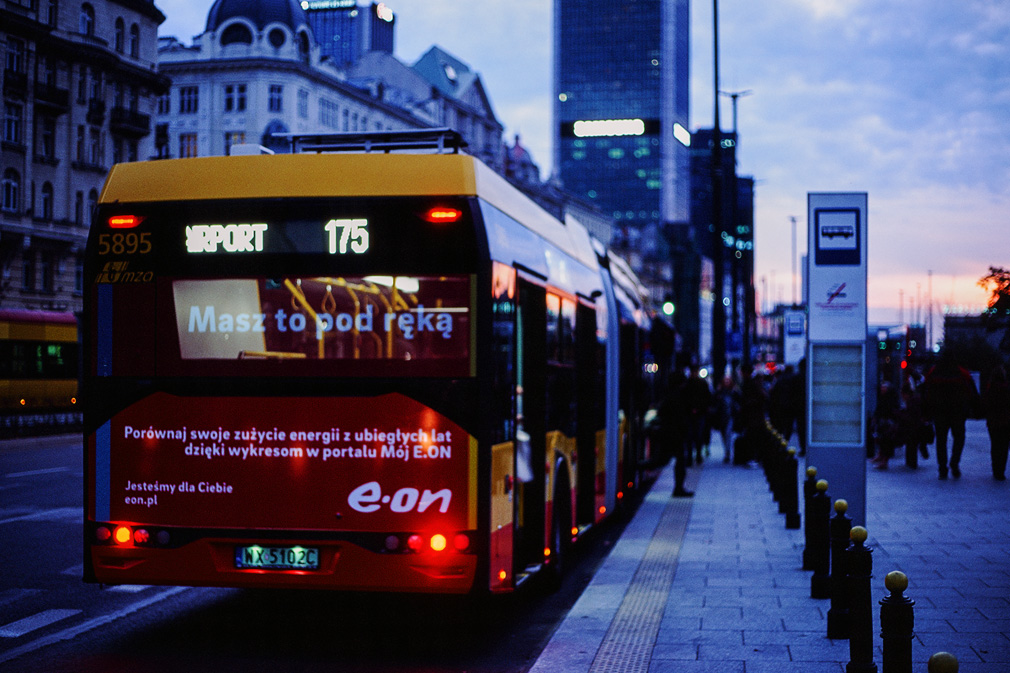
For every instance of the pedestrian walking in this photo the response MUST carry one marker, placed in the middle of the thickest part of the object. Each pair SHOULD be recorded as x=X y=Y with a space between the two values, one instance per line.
x=996 y=407
x=886 y=426
x=673 y=429
x=723 y=411
x=915 y=429
x=950 y=398
x=698 y=398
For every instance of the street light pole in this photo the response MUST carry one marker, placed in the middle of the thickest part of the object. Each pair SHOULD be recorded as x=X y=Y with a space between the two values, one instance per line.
x=718 y=249
x=793 y=272
x=734 y=95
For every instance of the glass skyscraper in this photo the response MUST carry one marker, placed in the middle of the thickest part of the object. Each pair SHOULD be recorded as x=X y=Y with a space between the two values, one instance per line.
x=621 y=118
x=346 y=31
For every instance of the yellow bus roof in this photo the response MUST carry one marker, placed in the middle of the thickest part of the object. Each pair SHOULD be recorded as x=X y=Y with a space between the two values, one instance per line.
x=331 y=175
x=290 y=175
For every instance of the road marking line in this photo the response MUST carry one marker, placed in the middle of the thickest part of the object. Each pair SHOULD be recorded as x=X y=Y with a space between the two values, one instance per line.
x=90 y=624
x=130 y=588
x=29 y=624
x=58 y=514
x=10 y=595
x=32 y=473
x=75 y=571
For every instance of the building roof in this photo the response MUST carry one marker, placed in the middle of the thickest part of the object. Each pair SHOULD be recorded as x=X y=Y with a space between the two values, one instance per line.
x=260 y=12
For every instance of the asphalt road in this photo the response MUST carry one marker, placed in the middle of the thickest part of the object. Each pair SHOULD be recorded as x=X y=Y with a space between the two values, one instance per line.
x=50 y=620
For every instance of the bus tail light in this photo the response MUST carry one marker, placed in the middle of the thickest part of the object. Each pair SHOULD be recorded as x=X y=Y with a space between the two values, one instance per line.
x=414 y=543
x=103 y=534
x=124 y=221
x=438 y=542
x=441 y=215
x=122 y=535
x=461 y=542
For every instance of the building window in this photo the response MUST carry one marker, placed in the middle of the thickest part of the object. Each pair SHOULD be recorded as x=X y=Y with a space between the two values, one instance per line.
x=236 y=33
x=11 y=191
x=276 y=100
x=79 y=208
x=47 y=138
x=120 y=35
x=80 y=143
x=132 y=151
x=46 y=269
x=95 y=147
x=27 y=271
x=47 y=71
x=92 y=206
x=82 y=85
x=164 y=103
x=117 y=150
x=135 y=41
x=14 y=60
x=234 y=98
x=13 y=117
x=78 y=276
x=52 y=14
x=96 y=85
x=189 y=99
x=187 y=145
x=328 y=114
x=47 y=201
x=303 y=103
x=233 y=138
x=87 y=24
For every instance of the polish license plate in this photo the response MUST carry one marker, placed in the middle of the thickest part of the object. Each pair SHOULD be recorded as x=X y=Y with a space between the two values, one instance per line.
x=277 y=558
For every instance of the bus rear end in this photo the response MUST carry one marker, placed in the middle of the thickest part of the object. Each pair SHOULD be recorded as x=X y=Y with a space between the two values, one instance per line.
x=281 y=384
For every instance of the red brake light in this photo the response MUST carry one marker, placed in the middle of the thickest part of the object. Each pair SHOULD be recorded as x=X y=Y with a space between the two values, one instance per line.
x=443 y=215
x=124 y=221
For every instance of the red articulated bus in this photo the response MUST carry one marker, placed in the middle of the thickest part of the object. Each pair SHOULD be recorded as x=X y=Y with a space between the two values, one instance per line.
x=332 y=369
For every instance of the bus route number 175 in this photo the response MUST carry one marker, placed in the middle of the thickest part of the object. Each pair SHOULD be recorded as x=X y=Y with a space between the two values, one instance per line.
x=347 y=235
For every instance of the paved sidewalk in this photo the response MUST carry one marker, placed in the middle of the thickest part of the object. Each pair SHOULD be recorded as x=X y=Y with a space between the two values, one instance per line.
x=714 y=583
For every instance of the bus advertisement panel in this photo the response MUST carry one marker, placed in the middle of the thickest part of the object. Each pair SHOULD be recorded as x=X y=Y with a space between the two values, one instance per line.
x=349 y=464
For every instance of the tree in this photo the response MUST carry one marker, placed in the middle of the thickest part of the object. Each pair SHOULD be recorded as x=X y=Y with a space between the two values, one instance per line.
x=999 y=279
x=997 y=317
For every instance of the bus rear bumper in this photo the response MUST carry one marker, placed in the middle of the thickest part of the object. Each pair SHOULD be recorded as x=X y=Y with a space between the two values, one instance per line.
x=342 y=566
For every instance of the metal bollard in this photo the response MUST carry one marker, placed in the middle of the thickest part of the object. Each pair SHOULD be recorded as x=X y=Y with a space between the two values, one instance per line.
x=791 y=494
x=860 y=559
x=896 y=622
x=820 y=543
x=838 y=614
x=809 y=488
x=943 y=662
x=781 y=474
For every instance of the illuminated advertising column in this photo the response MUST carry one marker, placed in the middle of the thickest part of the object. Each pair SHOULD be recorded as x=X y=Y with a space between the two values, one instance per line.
x=836 y=350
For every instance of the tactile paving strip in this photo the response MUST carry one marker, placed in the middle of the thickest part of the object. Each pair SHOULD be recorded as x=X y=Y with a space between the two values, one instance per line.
x=627 y=647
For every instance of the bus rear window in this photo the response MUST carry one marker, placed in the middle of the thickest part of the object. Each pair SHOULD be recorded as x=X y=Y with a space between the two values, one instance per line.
x=401 y=319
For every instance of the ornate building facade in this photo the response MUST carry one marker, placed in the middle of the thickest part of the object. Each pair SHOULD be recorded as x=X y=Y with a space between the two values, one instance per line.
x=79 y=88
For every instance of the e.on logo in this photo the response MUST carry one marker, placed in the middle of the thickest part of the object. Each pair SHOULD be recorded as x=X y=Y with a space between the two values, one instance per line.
x=369 y=498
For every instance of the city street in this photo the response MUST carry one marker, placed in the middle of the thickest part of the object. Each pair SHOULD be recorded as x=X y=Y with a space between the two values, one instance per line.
x=48 y=614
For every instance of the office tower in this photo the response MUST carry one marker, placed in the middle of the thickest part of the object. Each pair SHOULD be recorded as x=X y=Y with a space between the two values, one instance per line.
x=346 y=31
x=620 y=121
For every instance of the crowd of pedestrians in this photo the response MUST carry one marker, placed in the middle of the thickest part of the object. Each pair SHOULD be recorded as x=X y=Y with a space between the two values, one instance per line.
x=926 y=409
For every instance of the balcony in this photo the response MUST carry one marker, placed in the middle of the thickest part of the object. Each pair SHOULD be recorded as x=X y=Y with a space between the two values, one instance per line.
x=52 y=98
x=129 y=122
x=15 y=84
x=96 y=111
